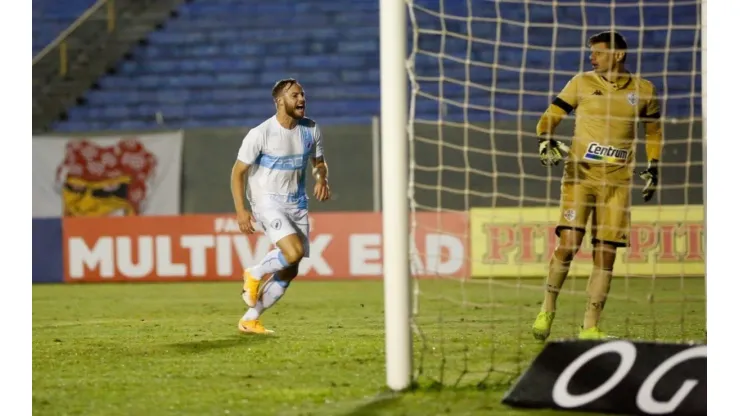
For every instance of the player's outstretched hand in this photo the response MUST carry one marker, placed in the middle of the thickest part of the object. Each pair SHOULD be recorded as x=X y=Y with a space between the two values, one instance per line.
x=244 y=218
x=650 y=176
x=321 y=191
x=552 y=151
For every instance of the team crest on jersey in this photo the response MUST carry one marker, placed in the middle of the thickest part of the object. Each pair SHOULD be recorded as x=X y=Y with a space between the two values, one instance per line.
x=569 y=214
x=276 y=224
x=632 y=98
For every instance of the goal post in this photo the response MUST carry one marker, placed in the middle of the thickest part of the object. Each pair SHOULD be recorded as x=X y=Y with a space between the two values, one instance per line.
x=394 y=154
x=470 y=214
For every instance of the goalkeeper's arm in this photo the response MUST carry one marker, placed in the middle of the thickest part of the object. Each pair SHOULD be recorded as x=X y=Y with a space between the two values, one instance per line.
x=654 y=140
x=553 y=151
x=654 y=150
x=549 y=121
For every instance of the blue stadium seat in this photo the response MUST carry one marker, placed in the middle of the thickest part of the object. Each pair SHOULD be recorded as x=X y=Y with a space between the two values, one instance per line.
x=51 y=17
x=215 y=63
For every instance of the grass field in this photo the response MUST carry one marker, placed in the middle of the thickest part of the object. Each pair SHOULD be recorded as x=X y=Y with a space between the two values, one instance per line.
x=173 y=349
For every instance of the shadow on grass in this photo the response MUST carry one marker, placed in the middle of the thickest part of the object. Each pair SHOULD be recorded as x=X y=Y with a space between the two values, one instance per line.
x=387 y=400
x=213 y=344
x=383 y=401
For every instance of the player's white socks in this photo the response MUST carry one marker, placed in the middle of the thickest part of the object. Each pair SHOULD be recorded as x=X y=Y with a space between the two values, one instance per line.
x=254 y=313
x=272 y=292
x=274 y=261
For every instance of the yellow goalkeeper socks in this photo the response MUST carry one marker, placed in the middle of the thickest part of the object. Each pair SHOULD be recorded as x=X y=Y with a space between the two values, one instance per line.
x=598 y=290
x=555 y=278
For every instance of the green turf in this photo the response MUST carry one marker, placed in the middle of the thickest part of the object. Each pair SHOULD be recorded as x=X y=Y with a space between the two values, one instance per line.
x=173 y=349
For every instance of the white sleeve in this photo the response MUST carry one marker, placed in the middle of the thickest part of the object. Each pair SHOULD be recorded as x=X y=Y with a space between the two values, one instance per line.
x=318 y=150
x=251 y=147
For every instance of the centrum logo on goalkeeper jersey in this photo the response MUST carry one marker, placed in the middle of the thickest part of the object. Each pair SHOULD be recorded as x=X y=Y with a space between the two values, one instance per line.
x=608 y=154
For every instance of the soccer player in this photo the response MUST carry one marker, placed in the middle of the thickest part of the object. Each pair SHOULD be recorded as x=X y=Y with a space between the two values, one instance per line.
x=274 y=157
x=609 y=102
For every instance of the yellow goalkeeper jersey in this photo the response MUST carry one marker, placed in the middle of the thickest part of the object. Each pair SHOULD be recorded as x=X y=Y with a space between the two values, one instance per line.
x=606 y=115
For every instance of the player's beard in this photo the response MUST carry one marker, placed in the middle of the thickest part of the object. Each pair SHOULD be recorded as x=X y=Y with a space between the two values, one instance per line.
x=297 y=113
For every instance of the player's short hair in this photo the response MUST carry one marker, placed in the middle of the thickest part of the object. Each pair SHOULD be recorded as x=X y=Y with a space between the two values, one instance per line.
x=615 y=40
x=281 y=86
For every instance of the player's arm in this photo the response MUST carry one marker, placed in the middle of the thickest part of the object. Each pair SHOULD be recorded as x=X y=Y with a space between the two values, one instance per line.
x=551 y=118
x=320 y=170
x=653 y=145
x=238 y=184
x=249 y=151
x=654 y=139
x=650 y=116
x=551 y=150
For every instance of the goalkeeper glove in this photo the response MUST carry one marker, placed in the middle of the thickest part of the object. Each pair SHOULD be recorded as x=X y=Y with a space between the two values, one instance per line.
x=552 y=151
x=650 y=176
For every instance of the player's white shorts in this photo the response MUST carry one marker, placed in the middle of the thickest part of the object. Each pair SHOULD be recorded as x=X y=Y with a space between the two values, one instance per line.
x=279 y=223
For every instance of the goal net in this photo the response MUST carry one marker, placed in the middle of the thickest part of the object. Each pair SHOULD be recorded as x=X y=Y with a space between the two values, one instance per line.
x=481 y=72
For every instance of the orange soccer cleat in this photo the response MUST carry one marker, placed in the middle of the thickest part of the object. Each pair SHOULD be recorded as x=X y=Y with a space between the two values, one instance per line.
x=253 y=327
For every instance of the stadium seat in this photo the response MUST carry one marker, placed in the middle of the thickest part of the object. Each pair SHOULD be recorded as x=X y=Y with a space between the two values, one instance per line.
x=214 y=64
x=49 y=18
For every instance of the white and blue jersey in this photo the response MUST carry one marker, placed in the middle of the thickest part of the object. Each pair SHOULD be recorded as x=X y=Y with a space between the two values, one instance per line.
x=278 y=158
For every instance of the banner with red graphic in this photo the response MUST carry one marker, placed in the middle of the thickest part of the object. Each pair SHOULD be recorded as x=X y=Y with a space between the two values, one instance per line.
x=107 y=176
x=664 y=241
x=211 y=247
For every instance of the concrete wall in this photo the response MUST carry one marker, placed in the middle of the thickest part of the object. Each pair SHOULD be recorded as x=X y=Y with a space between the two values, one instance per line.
x=456 y=167
x=208 y=156
x=502 y=167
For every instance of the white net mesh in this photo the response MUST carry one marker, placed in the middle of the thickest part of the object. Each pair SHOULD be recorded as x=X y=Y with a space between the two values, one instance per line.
x=483 y=72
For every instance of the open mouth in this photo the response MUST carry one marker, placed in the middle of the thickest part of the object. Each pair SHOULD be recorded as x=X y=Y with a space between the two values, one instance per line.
x=300 y=107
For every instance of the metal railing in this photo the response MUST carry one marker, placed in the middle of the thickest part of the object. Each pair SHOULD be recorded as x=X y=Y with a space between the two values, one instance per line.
x=56 y=59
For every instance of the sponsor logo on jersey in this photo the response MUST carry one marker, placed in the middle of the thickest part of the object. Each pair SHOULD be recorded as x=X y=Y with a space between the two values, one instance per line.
x=608 y=154
x=289 y=162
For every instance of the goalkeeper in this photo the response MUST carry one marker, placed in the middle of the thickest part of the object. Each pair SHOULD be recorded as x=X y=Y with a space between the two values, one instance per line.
x=608 y=104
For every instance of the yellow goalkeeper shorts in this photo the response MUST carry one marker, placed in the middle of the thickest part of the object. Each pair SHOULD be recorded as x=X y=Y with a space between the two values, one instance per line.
x=601 y=192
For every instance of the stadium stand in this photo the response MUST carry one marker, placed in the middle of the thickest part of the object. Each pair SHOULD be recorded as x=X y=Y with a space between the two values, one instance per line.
x=214 y=63
x=51 y=17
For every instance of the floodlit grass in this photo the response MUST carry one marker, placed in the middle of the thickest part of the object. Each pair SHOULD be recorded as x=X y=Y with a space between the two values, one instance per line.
x=173 y=349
